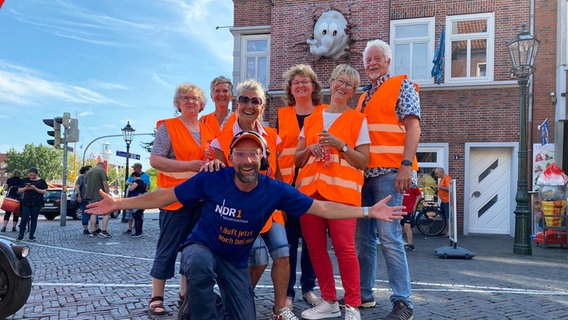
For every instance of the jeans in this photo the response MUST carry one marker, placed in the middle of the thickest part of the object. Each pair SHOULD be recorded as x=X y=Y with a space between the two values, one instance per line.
x=85 y=217
x=202 y=269
x=308 y=276
x=28 y=214
x=390 y=236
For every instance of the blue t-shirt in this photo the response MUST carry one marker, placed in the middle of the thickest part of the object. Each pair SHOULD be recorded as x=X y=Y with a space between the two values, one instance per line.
x=144 y=176
x=232 y=219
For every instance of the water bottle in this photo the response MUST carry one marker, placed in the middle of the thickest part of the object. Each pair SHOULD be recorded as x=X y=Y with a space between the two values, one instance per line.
x=326 y=156
x=207 y=154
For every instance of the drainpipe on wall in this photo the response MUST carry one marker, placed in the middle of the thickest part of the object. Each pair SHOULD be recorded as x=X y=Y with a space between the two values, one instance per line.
x=530 y=109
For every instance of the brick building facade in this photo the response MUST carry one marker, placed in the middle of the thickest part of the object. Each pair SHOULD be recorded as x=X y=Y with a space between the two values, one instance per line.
x=470 y=121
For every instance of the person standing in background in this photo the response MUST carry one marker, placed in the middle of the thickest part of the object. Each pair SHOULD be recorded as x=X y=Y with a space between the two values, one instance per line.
x=11 y=187
x=81 y=197
x=136 y=188
x=137 y=167
x=392 y=107
x=32 y=189
x=179 y=151
x=410 y=201
x=96 y=179
x=443 y=188
x=303 y=93
x=222 y=96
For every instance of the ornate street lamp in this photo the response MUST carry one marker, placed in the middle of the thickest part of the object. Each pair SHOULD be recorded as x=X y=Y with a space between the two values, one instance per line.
x=127 y=133
x=522 y=49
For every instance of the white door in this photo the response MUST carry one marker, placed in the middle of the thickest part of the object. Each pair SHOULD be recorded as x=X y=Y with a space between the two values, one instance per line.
x=490 y=190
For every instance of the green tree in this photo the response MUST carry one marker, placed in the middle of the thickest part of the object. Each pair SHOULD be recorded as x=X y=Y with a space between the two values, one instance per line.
x=148 y=145
x=47 y=159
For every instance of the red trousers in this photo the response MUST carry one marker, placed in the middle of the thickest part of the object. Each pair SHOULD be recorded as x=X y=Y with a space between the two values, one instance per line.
x=342 y=233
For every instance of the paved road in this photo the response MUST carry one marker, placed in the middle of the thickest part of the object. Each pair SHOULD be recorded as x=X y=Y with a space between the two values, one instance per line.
x=77 y=277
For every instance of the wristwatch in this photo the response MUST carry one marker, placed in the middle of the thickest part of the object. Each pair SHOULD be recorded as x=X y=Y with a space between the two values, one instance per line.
x=407 y=163
x=345 y=147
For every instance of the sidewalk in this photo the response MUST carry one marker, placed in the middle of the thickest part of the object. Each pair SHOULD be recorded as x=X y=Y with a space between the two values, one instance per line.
x=77 y=277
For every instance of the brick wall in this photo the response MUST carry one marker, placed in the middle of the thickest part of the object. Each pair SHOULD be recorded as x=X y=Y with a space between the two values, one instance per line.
x=454 y=116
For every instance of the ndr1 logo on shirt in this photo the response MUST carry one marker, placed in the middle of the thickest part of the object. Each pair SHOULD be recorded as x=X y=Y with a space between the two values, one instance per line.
x=227 y=212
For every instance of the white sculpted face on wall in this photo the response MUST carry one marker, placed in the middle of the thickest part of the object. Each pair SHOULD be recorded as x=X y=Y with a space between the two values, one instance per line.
x=330 y=38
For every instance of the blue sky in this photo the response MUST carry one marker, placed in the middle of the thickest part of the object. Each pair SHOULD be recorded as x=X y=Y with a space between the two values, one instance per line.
x=105 y=62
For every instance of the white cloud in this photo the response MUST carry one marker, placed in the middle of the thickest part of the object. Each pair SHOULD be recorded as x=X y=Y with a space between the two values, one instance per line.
x=22 y=86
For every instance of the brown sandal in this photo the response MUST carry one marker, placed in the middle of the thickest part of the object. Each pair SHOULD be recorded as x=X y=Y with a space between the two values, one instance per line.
x=157 y=305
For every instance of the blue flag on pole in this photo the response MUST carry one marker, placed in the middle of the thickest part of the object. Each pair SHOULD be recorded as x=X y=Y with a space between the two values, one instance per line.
x=438 y=68
x=544 y=131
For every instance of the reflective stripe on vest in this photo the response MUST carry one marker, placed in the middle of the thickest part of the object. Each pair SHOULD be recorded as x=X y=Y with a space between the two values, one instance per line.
x=340 y=181
x=185 y=148
x=387 y=133
x=288 y=131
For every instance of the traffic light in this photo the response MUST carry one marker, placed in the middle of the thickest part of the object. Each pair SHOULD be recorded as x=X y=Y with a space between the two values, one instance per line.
x=55 y=123
x=72 y=133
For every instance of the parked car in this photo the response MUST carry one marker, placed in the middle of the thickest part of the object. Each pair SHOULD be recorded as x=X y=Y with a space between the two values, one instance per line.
x=52 y=204
x=15 y=277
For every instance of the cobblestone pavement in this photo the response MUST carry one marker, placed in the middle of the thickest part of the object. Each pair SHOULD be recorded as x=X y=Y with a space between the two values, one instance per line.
x=77 y=277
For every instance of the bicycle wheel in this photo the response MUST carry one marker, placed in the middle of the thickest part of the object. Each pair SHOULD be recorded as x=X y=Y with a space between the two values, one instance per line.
x=430 y=226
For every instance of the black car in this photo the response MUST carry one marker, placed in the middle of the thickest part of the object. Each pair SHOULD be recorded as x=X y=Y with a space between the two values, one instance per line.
x=52 y=204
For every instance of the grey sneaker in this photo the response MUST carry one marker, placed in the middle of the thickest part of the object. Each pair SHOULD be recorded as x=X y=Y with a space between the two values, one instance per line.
x=284 y=314
x=352 y=313
x=400 y=311
x=371 y=303
x=93 y=234
x=322 y=311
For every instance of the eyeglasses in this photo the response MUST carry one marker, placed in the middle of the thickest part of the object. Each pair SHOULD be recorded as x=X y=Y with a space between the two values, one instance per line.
x=343 y=83
x=245 y=100
x=189 y=99
x=303 y=82
x=241 y=155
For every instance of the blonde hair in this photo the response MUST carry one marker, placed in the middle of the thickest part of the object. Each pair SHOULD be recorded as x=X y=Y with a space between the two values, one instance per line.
x=348 y=71
x=189 y=87
x=16 y=174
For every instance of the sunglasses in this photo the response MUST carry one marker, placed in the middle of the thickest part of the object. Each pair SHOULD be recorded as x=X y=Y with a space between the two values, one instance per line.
x=245 y=100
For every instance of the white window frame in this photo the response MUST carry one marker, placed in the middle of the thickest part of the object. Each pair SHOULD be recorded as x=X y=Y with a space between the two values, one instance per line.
x=441 y=149
x=241 y=34
x=489 y=36
x=429 y=39
x=258 y=54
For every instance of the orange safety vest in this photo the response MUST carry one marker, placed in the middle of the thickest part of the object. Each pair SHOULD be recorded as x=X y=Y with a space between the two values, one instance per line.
x=288 y=131
x=271 y=138
x=339 y=182
x=387 y=133
x=211 y=120
x=185 y=149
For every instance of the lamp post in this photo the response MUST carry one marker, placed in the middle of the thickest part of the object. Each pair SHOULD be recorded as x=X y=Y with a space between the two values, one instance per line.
x=522 y=49
x=127 y=134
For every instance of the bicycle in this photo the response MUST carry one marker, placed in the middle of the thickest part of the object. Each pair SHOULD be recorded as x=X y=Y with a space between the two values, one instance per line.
x=430 y=221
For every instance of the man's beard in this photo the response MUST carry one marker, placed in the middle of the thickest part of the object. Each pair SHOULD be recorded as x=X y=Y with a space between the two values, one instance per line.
x=253 y=177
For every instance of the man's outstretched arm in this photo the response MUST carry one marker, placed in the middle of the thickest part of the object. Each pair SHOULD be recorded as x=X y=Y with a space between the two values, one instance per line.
x=380 y=211
x=150 y=200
